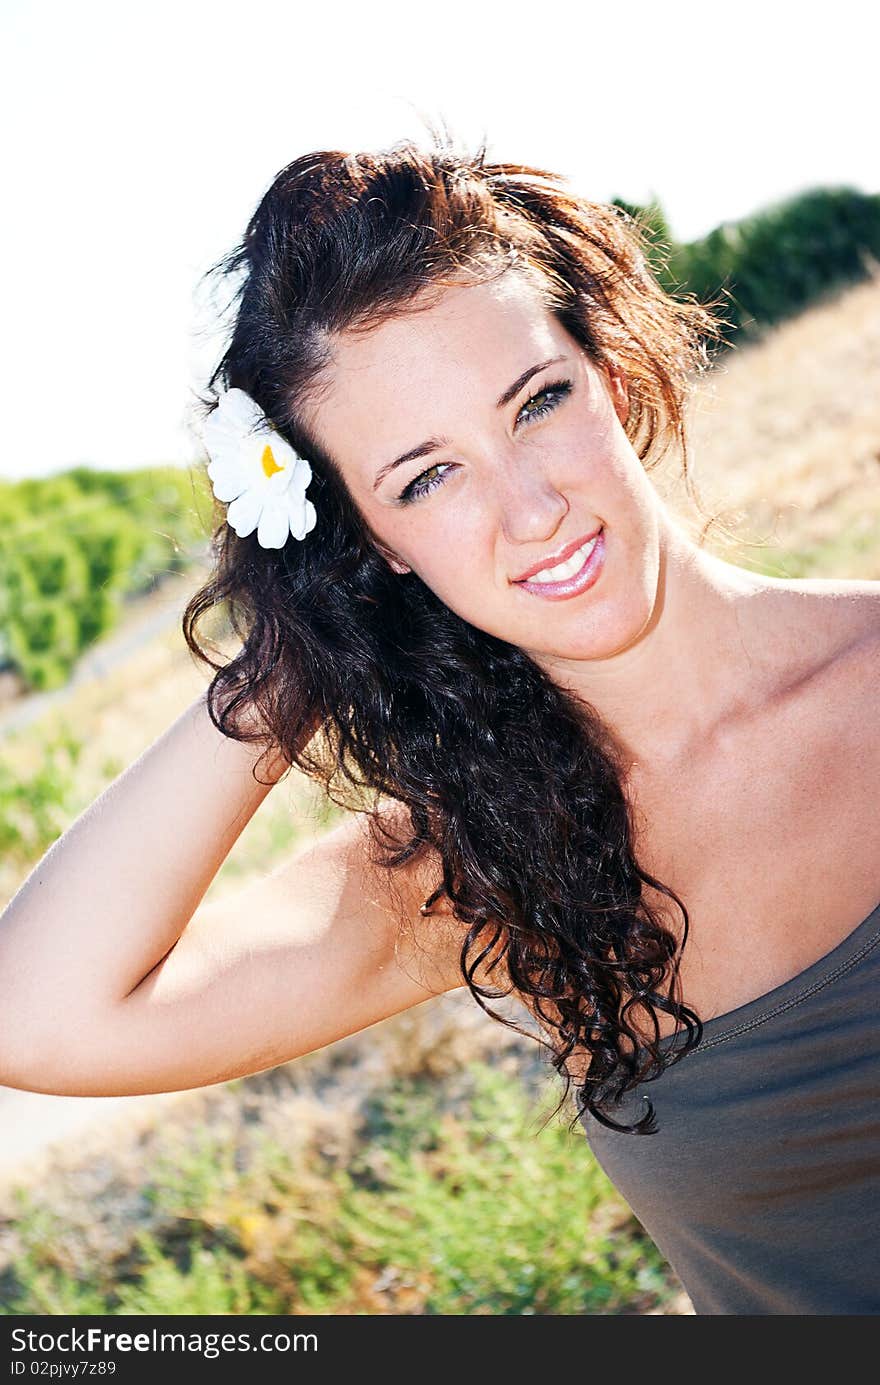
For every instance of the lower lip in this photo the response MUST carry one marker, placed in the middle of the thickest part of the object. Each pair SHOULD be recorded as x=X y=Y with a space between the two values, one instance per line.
x=572 y=586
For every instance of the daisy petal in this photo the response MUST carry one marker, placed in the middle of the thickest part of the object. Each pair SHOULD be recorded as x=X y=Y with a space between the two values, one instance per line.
x=302 y=474
x=235 y=421
x=279 y=482
x=295 y=503
x=274 y=526
x=222 y=436
x=228 y=479
x=311 y=517
x=244 y=513
x=240 y=412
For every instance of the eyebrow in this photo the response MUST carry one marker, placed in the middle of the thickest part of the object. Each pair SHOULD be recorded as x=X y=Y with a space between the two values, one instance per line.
x=434 y=444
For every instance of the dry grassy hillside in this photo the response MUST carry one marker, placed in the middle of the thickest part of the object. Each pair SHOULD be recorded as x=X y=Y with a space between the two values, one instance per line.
x=786 y=442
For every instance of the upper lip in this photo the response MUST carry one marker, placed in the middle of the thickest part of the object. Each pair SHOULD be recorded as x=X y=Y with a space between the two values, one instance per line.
x=555 y=558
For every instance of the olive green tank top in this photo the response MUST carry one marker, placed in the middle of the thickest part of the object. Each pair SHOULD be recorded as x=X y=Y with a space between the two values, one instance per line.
x=761 y=1185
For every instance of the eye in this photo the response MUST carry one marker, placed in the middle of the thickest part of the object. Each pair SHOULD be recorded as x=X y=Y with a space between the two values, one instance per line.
x=423 y=483
x=544 y=402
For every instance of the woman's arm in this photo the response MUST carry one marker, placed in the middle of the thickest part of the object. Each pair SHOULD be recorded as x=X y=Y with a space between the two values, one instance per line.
x=113 y=981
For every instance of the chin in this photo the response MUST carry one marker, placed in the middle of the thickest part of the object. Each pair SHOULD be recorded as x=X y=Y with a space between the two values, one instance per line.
x=598 y=635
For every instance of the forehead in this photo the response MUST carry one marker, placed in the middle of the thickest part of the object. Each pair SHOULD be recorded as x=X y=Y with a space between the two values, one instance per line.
x=423 y=372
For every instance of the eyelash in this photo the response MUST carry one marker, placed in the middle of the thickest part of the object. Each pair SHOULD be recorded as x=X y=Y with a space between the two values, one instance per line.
x=418 y=487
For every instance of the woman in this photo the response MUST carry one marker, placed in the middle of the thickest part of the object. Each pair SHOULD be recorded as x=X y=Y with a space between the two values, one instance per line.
x=623 y=780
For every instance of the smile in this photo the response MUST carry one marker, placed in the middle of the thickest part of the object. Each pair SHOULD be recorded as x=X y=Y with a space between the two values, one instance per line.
x=576 y=574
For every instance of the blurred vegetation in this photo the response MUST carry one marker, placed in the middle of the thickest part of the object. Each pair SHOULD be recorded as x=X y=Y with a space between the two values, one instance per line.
x=768 y=266
x=37 y=804
x=74 y=546
x=440 y=1199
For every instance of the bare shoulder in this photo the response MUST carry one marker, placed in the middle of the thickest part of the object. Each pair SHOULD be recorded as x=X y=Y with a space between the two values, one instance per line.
x=840 y=703
x=849 y=616
x=846 y=611
x=820 y=629
x=824 y=639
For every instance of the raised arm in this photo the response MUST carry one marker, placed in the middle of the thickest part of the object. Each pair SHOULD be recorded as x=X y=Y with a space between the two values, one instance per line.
x=114 y=981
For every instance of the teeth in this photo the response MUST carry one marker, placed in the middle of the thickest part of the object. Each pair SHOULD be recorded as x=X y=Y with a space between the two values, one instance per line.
x=568 y=568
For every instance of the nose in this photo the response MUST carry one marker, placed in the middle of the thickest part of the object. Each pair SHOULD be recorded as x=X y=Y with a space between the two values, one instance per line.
x=532 y=508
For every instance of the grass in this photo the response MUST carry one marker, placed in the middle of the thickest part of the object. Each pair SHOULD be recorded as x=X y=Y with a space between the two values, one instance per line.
x=855 y=552
x=35 y=803
x=420 y=1206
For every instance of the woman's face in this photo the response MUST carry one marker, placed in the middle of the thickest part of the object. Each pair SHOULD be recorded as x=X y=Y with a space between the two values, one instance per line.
x=521 y=455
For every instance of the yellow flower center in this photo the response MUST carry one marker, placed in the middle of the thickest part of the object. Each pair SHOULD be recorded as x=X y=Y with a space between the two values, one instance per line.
x=269 y=464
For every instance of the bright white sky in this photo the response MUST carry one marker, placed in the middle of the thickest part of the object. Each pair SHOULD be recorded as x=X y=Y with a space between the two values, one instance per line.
x=140 y=138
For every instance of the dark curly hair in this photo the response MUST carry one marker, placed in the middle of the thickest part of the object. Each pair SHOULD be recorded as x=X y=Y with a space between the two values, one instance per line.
x=366 y=681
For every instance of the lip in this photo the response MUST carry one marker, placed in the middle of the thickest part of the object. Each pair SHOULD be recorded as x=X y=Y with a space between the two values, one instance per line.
x=580 y=582
x=557 y=558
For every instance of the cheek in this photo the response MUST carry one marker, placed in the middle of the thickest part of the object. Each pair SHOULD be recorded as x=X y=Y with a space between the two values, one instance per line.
x=445 y=545
x=578 y=453
x=612 y=476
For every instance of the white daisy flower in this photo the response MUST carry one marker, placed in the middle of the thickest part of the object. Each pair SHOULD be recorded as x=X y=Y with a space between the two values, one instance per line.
x=253 y=467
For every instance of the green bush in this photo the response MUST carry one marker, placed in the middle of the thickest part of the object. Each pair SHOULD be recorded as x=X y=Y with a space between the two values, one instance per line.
x=43 y=639
x=110 y=544
x=58 y=566
x=97 y=614
x=774 y=263
x=87 y=539
x=18 y=588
